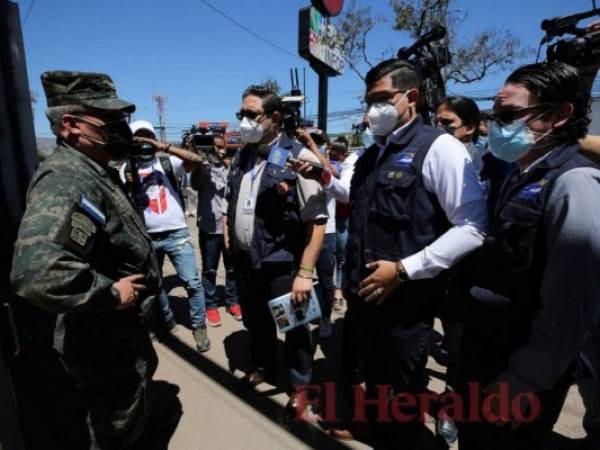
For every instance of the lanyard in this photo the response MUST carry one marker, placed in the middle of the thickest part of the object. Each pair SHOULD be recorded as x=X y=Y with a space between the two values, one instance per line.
x=254 y=173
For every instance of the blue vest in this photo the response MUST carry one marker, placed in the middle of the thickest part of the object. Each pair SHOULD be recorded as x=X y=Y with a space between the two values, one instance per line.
x=511 y=262
x=392 y=215
x=279 y=234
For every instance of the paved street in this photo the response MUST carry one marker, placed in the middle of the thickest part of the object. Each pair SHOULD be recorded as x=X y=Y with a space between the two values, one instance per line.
x=218 y=416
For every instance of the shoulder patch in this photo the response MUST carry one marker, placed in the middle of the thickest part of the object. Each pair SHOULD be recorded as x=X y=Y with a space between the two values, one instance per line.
x=404 y=160
x=92 y=210
x=532 y=190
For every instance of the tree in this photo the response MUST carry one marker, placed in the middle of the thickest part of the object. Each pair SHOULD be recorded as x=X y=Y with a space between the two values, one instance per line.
x=473 y=57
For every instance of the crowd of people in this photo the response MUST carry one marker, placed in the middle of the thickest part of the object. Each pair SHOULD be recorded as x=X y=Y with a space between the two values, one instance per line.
x=485 y=220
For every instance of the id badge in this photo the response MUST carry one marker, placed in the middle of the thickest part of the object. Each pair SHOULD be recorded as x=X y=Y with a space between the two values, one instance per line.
x=248 y=204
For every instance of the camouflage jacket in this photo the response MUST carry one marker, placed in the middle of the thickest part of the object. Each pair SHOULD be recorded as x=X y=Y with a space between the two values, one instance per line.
x=78 y=236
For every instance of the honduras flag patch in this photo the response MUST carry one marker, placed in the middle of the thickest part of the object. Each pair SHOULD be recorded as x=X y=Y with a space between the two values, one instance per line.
x=532 y=190
x=92 y=210
x=404 y=160
x=278 y=156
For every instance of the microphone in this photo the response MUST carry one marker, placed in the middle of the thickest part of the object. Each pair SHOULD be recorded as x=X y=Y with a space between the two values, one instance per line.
x=280 y=157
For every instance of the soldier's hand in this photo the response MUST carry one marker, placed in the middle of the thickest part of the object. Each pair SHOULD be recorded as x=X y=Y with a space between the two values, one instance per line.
x=301 y=290
x=129 y=288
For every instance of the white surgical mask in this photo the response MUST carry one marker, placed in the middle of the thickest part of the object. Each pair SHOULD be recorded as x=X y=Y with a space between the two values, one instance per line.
x=251 y=131
x=383 y=117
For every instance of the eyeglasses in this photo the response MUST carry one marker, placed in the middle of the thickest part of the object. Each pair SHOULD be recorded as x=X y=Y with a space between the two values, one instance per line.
x=508 y=116
x=107 y=119
x=381 y=97
x=248 y=114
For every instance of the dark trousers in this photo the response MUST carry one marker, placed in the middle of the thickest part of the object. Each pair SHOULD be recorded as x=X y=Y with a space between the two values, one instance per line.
x=325 y=270
x=482 y=360
x=256 y=288
x=477 y=435
x=211 y=247
x=392 y=348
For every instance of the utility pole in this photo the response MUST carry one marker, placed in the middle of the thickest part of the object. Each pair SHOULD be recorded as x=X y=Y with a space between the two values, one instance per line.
x=160 y=105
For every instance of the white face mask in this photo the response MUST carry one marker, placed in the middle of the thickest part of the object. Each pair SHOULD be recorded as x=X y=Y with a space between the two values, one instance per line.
x=383 y=117
x=367 y=138
x=251 y=131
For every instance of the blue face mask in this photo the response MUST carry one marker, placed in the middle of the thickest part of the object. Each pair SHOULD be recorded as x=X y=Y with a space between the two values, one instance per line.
x=482 y=143
x=510 y=142
x=367 y=138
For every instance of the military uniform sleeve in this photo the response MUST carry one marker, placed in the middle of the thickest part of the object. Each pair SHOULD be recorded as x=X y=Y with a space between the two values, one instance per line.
x=570 y=290
x=52 y=259
x=311 y=196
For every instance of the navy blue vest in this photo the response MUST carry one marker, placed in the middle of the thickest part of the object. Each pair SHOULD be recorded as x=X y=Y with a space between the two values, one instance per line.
x=392 y=215
x=512 y=259
x=279 y=234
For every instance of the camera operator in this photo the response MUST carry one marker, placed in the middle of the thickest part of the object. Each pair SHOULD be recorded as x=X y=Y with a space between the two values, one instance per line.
x=165 y=221
x=210 y=180
x=416 y=209
x=276 y=223
x=534 y=308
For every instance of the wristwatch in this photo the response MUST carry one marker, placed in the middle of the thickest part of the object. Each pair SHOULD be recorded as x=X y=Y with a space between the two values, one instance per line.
x=401 y=272
x=115 y=293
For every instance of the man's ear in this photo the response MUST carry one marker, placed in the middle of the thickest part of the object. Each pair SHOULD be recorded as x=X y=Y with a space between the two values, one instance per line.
x=413 y=96
x=276 y=116
x=70 y=125
x=561 y=114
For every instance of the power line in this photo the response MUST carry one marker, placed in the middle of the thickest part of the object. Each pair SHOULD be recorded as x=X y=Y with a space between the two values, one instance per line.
x=247 y=30
x=28 y=11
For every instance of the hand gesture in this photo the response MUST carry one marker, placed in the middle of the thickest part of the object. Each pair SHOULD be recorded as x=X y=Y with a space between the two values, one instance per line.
x=129 y=288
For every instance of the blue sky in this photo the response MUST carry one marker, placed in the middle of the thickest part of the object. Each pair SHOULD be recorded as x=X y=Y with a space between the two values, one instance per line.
x=202 y=63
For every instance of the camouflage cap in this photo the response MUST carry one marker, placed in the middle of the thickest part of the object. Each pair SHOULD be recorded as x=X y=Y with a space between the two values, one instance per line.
x=94 y=90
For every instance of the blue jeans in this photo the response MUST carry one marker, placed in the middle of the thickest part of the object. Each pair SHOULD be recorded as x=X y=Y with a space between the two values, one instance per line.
x=178 y=246
x=341 y=237
x=325 y=267
x=211 y=247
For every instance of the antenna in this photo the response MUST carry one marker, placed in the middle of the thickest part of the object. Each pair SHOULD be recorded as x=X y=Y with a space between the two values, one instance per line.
x=160 y=105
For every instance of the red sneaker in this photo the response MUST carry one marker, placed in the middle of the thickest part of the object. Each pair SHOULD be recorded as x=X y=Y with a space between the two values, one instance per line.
x=213 y=318
x=235 y=311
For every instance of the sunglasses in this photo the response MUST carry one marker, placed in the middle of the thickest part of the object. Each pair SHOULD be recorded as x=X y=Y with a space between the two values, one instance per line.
x=381 y=97
x=251 y=115
x=508 y=116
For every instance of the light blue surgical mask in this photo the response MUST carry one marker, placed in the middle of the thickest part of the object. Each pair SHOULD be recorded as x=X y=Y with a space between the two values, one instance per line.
x=510 y=142
x=367 y=138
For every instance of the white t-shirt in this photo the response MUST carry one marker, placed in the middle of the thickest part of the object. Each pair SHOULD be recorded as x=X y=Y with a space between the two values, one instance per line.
x=164 y=211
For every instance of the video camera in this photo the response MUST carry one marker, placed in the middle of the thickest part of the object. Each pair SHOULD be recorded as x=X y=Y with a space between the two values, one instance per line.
x=583 y=49
x=202 y=140
x=292 y=106
x=429 y=54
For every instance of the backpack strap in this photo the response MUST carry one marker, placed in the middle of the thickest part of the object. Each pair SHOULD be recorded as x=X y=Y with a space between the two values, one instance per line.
x=167 y=166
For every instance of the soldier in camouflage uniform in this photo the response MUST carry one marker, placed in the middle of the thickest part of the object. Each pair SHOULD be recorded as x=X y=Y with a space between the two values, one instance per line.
x=84 y=255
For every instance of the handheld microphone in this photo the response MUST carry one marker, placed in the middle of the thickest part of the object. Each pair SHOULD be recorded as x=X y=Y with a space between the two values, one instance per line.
x=280 y=157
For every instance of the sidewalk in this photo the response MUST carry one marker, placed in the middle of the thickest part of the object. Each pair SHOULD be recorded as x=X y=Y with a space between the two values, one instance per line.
x=219 y=417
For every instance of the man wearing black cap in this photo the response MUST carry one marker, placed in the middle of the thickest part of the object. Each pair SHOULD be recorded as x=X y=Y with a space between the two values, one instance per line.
x=84 y=255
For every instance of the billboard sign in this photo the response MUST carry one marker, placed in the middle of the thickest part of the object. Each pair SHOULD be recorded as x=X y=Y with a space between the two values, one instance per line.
x=320 y=42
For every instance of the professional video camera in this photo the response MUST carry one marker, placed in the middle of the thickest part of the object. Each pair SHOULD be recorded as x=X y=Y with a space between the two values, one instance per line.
x=429 y=54
x=583 y=49
x=292 y=106
x=203 y=140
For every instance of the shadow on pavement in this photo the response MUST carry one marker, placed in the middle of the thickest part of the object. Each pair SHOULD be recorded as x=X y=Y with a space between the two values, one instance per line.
x=264 y=405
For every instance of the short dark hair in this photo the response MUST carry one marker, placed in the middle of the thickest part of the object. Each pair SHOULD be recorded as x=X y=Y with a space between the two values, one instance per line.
x=339 y=147
x=270 y=100
x=467 y=111
x=557 y=83
x=404 y=75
